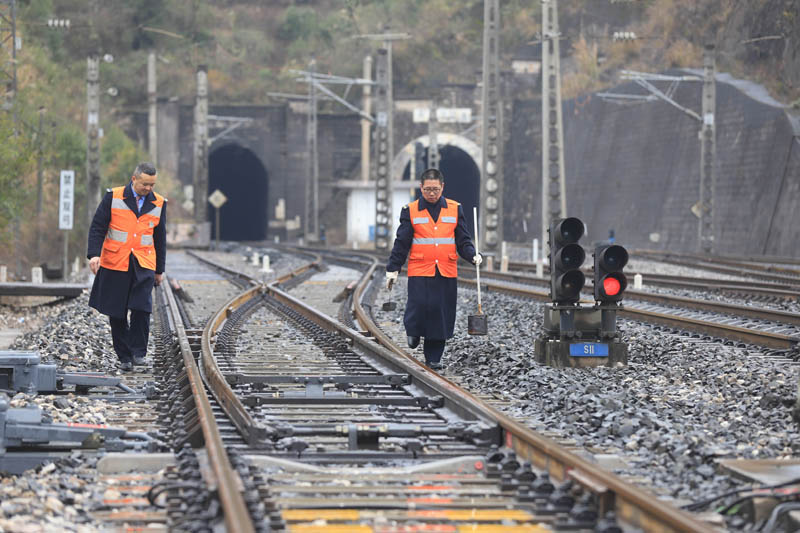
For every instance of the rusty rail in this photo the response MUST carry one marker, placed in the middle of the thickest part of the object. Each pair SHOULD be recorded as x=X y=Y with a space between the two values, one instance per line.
x=237 y=518
x=634 y=504
x=724 y=331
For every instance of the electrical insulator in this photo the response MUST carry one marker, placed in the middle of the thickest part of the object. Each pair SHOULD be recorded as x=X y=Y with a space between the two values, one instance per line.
x=624 y=36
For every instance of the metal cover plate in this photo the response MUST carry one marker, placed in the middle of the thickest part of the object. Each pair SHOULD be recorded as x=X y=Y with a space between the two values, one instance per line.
x=588 y=349
x=768 y=471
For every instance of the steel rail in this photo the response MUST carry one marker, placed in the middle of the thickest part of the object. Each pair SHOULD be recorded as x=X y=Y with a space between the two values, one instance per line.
x=237 y=517
x=752 y=287
x=724 y=331
x=719 y=266
x=746 y=335
x=253 y=432
x=764 y=261
x=454 y=396
x=761 y=262
x=760 y=313
x=634 y=504
x=750 y=265
x=773 y=290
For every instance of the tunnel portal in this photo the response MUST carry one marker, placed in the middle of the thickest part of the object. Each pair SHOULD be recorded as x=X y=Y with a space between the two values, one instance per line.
x=462 y=179
x=239 y=174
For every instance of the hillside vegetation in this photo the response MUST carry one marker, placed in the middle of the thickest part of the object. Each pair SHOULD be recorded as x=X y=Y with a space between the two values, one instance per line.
x=251 y=48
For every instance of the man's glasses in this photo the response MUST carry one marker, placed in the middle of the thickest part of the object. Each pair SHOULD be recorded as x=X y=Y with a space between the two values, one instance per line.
x=431 y=190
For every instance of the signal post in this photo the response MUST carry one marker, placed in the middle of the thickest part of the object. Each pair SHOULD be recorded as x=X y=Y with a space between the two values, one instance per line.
x=576 y=335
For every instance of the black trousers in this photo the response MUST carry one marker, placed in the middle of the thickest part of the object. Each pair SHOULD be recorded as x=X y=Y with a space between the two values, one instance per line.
x=130 y=340
x=433 y=350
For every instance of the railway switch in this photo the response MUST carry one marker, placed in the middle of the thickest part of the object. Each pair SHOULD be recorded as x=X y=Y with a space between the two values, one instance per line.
x=28 y=439
x=24 y=372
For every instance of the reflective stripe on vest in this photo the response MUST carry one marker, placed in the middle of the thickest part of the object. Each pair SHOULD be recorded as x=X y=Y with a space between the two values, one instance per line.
x=129 y=233
x=119 y=203
x=433 y=240
x=117 y=235
x=434 y=244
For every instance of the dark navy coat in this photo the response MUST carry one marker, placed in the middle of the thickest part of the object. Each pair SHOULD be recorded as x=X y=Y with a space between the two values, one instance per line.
x=114 y=291
x=431 y=308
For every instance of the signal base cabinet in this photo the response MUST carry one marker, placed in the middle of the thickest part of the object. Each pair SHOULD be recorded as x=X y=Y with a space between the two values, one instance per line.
x=580 y=353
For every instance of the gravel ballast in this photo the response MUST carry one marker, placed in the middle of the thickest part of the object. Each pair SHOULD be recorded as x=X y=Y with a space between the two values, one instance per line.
x=678 y=407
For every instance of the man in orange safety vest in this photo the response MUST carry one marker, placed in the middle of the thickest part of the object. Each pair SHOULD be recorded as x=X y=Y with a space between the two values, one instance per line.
x=127 y=252
x=432 y=234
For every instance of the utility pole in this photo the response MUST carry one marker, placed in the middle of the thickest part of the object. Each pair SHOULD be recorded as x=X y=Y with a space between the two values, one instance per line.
x=491 y=130
x=312 y=176
x=433 y=140
x=152 y=109
x=365 y=124
x=201 y=147
x=384 y=137
x=39 y=183
x=8 y=72
x=384 y=149
x=8 y=66
x=708 y=143
x=554 y=194
x=92 y=136
x=704 y=208
x=318 y=90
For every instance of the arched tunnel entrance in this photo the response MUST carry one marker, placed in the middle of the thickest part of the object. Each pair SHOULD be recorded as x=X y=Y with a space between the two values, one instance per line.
x=462 y=178
x=238 y=173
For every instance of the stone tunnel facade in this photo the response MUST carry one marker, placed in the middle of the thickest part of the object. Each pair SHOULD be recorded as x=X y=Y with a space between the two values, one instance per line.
x=632 y=167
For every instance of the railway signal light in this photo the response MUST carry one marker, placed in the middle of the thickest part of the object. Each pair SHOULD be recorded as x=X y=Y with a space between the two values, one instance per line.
x=566 y=258
x=609 y=281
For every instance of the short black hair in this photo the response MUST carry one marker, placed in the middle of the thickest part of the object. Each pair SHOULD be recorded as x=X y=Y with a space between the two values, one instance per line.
x=432 y=174
x=145 y=168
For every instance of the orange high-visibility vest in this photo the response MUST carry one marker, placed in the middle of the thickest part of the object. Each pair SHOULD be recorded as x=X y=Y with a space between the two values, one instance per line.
x=434 y=243
x=129 y=233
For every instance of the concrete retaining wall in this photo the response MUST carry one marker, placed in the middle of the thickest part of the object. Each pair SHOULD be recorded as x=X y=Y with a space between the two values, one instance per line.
x=635 y=167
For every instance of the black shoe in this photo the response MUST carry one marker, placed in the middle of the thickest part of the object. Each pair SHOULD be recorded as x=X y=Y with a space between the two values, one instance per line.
x=434 y=366
x=138 y=360
x=413 y=342
x=127 y=366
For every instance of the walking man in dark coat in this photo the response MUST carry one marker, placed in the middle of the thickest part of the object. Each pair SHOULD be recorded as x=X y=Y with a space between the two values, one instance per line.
x=432 y=234
x=127 y=252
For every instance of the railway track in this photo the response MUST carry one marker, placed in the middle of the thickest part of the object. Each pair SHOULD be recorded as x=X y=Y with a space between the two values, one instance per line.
x=760 y=326
x=766 y=327
x=341 y=433
x=786 y=290
x=789 y=274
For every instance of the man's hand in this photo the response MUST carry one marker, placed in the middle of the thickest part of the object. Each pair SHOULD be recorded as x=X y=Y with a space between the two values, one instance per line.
x=391 y=277
x=94 y=265
x=159 y=278
x=477 y=260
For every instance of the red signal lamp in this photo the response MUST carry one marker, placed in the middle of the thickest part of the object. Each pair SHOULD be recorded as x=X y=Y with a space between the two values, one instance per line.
x=609 y=280
x=611 y=286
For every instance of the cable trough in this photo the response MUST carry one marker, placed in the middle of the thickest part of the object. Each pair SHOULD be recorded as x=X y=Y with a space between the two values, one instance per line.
x=342 y=433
